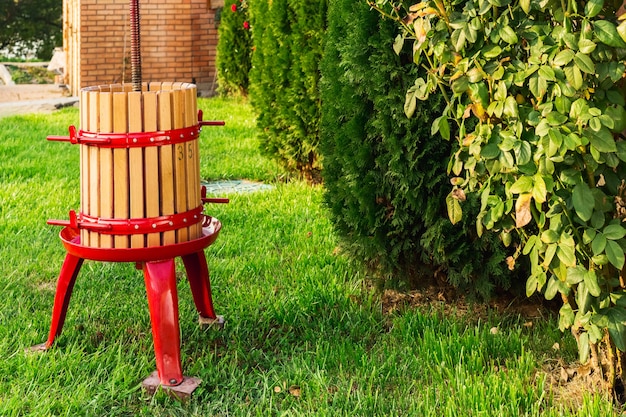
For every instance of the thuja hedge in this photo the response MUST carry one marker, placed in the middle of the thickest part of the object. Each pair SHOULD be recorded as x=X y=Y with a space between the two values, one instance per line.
x=234 y=48
x=384 y=174
x=284 y=80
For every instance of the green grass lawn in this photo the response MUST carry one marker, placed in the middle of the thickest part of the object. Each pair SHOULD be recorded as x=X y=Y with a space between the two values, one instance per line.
x=304 y=334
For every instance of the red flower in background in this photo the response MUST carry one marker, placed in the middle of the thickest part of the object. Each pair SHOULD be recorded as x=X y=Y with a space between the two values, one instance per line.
x=233 y=7
x=246 y=25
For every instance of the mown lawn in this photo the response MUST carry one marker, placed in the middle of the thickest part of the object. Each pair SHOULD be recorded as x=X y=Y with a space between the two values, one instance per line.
x=305 y=334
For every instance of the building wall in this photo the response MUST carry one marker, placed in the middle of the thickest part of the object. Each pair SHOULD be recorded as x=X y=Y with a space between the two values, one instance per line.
x=178 y=42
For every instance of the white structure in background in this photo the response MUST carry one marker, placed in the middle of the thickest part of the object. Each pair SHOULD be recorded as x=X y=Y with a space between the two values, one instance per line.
x=57 y=65
x=5 y=76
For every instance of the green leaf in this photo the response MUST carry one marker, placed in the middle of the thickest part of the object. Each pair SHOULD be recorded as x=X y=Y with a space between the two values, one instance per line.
x=524 y=184
x=588 y=236
x=538 y=85
x=566 y=254
x=549 y=254
x=510 y=107
x=582 y=199
x=523 y=153
x=539 y=189
x=419 y=90
x=460 y=85
x=547 y=72
x=621 y=29
x=602 y=140
x=615 y=253
x=490 y=151
x=398 y=44
x=555 y=118
x=574 y=76
x=566 y=317
x=575 y=275
x=621 y=150
x=584 y=63
x=563 y=58
x=531 y=285
x=440 y=124
x=525 y=5
x=508 y=35
x=617 y=327
x=598 y=244
x=593 y=7
x=606 y=33
x=583 y=348
x=530 y=244
x=591 y=281
x=550 y=236
x=552 y=288
x=455 y=213
x=586 y=46
x=458 y=39
x=491 y=51
x=614 y=232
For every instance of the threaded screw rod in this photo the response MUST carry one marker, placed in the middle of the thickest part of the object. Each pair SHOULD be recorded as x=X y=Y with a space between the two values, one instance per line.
x=135 y=45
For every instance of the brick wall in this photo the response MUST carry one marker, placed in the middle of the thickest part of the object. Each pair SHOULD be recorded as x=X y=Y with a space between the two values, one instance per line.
x=178 y=42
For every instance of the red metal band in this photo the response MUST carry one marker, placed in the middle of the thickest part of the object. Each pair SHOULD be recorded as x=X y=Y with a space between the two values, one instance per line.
x=140 y=226
x=134 y=140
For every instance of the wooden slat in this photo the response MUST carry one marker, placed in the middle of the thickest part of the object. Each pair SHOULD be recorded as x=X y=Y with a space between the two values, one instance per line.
x=180 y=162
x=166 y=175
x=84 y=163
x=106 y=166
x=193 y=165
x=135 y=158
x=94 y=167
x=151 y=155
x=120 y=166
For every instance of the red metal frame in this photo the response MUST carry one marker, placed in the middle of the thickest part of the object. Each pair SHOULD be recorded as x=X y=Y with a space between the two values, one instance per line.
x=132 y=226
x=159 y=273
x=157 y=262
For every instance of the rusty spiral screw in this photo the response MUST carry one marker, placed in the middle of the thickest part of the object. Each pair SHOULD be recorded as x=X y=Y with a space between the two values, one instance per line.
x=135 y=45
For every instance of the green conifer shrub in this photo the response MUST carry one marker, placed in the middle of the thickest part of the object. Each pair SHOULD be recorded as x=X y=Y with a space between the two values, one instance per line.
x=234 y=49
x=284 y=80
x=385 y=175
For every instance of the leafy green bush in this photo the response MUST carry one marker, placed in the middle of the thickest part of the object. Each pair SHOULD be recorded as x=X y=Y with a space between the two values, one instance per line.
x=234 y=49
x=385 y=174
x=284 y=80
x=542 y=83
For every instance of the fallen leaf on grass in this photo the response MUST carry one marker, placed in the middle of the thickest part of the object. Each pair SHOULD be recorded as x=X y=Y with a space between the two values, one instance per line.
x=295 y=391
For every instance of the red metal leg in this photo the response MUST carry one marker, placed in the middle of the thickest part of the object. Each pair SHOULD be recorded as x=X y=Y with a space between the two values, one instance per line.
x=65 y=285
x=160 y=278
x=198 y=276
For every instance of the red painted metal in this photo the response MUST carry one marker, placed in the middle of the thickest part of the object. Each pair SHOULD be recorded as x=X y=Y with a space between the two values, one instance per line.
x=208 y=122
x=158 y=267
x=130 y=140
x=160 y=278
x=131 y=226
x=70 y=238
x=65 y=285
x=198 y=277
x=212 y=199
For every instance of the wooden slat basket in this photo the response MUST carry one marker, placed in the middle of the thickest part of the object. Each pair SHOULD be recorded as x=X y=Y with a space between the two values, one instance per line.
x=139 y=165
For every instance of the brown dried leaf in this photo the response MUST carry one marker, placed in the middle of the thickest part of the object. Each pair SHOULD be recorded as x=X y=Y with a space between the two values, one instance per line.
x=459 y=194
x=523 y=215
x=510 y=263
x=295 y=391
